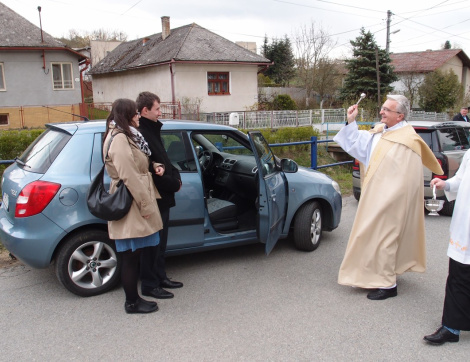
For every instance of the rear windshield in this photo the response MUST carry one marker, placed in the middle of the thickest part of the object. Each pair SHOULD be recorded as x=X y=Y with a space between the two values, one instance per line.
x=453 y=139
x=42 y=152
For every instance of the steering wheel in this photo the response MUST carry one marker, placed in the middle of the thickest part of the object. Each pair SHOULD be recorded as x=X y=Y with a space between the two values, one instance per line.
x=205 y=160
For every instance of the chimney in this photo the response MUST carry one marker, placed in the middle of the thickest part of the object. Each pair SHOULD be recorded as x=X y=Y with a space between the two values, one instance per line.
x=144 y=41
x=165 y=27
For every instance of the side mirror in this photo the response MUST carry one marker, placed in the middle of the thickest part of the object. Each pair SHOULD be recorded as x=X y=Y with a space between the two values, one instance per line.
x=289 y=166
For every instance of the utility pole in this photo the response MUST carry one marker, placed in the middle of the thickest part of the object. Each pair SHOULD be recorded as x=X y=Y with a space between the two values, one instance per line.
x=378 y=79
x=389 y=20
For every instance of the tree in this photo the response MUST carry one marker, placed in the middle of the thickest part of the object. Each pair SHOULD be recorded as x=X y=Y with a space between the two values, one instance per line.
x=447 y=45
x=280 y=52
x=362 y=70
x=81 y=39
x=440 y=91
x=315 y=70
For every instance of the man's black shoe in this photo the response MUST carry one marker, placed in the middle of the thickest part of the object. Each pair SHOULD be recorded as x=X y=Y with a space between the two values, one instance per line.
x=381 y=294
x=167 y=283
x=140 y=306
x=441 y=336
x=158 y=293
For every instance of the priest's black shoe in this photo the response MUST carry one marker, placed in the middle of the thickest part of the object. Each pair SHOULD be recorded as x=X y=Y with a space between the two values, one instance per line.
x=381 y=294
x=441 y=336
x=140 y=306
x=167 y=283
x=158 y=293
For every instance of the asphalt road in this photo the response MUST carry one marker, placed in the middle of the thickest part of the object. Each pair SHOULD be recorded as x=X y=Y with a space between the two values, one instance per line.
x=237 y=305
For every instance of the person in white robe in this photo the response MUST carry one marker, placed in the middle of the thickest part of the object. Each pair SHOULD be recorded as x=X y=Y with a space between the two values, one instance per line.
x=387 y=238
x=456 y=313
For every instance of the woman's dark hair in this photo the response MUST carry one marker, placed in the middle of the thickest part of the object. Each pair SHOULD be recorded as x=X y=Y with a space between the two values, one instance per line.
x=122 y=112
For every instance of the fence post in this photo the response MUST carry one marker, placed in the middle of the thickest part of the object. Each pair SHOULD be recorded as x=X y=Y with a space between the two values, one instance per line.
x=313 y=152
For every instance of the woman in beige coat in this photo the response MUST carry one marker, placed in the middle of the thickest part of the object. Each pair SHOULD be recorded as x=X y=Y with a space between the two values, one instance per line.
x=128 y=160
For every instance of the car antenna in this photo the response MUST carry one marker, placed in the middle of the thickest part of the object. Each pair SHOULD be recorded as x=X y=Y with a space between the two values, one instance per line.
x=76 y=115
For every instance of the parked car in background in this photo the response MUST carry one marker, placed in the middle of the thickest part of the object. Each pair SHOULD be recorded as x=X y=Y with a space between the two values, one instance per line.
x=234 y=191
x=449 y=141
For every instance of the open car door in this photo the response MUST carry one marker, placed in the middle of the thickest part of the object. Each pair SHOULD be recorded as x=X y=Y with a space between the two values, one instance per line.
x=272 y=192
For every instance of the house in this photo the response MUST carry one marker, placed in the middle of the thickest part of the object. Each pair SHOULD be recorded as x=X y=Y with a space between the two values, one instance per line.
x=39 y=75
x=186 y=64
x=412 y=67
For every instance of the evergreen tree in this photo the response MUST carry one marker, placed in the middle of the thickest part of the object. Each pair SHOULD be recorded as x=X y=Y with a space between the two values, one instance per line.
x=362 y=70
x=280 y=52
x=447 y=45
x=440 y=91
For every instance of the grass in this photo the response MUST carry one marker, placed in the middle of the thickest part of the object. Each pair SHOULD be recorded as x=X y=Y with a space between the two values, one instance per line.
x=341 y=174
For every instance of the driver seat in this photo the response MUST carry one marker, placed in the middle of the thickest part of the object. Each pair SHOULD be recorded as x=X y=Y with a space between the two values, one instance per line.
x=222 y=213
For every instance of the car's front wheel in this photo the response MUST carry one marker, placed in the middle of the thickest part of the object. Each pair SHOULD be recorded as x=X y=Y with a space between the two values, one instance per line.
x=308 y=226
x=88 y=264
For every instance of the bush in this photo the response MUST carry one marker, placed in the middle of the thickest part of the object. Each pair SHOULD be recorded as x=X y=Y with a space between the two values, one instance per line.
x=14 y=142
x=283 y=102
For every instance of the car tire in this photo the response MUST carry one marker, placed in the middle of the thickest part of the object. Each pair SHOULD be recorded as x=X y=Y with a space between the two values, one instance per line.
x=447 y=208
x=308 y=227
x=87 y=264
x=357 y=195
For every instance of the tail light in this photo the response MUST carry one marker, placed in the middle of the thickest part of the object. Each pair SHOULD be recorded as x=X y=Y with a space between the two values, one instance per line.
x=355 y=165
x=34 y=198
x=444 y=176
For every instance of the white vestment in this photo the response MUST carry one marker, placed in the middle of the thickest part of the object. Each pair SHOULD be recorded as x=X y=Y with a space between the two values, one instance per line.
x=459 y=243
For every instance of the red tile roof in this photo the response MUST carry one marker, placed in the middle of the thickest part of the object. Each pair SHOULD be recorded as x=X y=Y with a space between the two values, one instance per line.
x=427 y=61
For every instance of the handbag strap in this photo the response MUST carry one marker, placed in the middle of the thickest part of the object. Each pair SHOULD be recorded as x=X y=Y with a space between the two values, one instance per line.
x=109 y=144
x=111 y=140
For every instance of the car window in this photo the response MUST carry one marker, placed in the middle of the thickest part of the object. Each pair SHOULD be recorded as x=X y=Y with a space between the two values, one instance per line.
x=463 y=136
x=176 y=150
x=265 y=154
x=450 y=140
x=222 y=142
x=426 y=135
x=43 y=151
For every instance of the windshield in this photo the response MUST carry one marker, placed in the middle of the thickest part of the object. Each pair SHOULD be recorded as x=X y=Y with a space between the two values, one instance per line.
x=42 y=152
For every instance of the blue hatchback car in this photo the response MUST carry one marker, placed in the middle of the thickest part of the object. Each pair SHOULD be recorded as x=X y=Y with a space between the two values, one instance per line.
x=235 y=191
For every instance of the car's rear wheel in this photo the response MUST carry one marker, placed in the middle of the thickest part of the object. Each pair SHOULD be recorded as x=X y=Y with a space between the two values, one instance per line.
x=308 y=226
x=357 y=195
x=88 y=264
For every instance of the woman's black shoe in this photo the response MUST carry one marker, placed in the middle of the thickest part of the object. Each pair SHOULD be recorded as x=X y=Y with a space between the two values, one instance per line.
x=140 y=306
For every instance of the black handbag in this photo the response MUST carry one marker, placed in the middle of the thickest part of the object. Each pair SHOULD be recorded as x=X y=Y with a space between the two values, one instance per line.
x=104 y=205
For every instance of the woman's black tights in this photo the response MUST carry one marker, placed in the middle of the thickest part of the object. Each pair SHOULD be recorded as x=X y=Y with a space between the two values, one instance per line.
x=130 y=274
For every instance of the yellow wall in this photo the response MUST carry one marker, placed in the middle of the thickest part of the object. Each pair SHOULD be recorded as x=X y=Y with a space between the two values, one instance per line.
x=35 y=117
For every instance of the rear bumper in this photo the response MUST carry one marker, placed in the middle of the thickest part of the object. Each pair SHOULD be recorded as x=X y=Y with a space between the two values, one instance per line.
x=32 y=239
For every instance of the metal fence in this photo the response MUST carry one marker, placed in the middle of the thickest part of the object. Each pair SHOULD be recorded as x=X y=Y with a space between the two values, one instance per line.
x=322 y=119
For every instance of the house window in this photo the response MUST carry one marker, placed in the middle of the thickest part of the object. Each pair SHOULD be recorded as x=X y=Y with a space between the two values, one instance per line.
x=62 y=75
x=218 y=83
x=3 y=86
x=3 y=119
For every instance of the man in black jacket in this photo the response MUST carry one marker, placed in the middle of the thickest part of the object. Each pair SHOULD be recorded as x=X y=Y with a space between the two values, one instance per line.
x=152 y=271
x=462 y=116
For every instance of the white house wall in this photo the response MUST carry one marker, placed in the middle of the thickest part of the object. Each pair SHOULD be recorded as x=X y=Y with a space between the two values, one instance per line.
x=28 y=84
x=109 y=87
x=190 y=82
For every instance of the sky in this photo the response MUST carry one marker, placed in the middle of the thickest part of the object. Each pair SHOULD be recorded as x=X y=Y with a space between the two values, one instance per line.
x=416 y=25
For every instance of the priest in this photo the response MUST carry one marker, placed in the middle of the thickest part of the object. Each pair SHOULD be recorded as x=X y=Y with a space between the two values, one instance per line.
x=387 y=237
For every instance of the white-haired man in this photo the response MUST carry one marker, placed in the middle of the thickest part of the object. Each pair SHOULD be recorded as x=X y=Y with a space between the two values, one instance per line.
x=387 y=237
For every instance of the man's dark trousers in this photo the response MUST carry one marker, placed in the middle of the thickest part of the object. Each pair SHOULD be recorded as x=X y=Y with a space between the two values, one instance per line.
x=155 y=254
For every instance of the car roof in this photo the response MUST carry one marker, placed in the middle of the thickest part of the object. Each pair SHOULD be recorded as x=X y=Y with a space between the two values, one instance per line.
x=438 y=124
x=99 y=126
